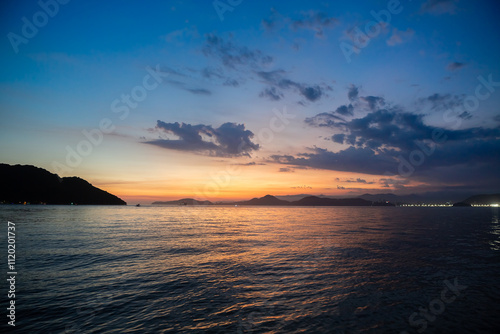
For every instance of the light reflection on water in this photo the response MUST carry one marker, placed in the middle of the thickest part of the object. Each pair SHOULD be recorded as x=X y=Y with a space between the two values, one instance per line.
x=252 y=269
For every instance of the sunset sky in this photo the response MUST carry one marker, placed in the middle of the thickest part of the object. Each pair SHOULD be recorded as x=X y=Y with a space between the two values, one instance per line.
x=238 y=99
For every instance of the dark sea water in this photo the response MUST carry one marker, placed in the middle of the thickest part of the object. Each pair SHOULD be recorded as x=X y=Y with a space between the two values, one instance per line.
x=97 y=269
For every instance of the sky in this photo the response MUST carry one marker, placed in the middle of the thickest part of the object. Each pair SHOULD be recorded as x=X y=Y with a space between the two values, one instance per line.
x=234 y=99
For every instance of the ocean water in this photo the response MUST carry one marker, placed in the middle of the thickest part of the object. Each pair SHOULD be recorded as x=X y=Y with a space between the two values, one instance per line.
x=102 y=269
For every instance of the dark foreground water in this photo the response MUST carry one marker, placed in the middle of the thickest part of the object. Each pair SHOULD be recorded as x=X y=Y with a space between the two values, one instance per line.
x=95 y=269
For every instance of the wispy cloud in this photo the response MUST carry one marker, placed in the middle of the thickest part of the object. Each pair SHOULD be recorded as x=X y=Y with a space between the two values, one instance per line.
x=439 y=7
x=453 y=66
x=312 y=20
x=278 y=81
x=400 y=37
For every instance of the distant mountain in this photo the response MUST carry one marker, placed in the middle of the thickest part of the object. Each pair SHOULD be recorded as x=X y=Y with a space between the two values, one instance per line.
x=310 y=201
x=293 y=198
x=318 y=201
x=30 y=184
x=483 y=199
x=184 y=201
x=266 y=200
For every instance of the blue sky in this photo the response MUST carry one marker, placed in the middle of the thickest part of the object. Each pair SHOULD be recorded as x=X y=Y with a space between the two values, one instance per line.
x=228 y=70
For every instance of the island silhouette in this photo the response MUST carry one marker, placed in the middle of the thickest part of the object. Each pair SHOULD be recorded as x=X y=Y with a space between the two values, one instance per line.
x=26 y=184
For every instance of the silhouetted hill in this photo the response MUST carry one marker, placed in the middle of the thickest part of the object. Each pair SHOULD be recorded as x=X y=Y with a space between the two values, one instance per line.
x=30 y=184
x=483 y=199
x=266 y=200
x=184 y=201
x=311 y=201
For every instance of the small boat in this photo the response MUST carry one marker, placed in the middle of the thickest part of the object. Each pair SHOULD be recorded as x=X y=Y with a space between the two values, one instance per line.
x=137 y=205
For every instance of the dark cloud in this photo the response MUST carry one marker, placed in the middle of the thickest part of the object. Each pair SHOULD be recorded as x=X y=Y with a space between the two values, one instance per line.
x=380 y=140
x=232 y=55
x=358 y=180
x=209 y=72
x=374 y=102
x=438 y=7
x=465 y=115
x=228 y=140
x=278 y=79
x=327 y=120
x=253 y=163
x=286 y=170
x=199 y=91
x=231 y=82
x=353 y=93
x=441 y=102
x=271 y=93
x=351 y=159
x=345 y=110
x=455 y=66
x=338 y=138
x=394 y=183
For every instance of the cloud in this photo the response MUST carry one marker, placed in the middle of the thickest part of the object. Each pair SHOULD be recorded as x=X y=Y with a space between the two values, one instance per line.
x=465 y=115
x=439 y=7
x=253 y=163
x=353 y=93
x=233 y=56
x=199 y=91
x=345 y=110
x=228 y=140
x=196 y=91
x=400 y=37
x=441 y=102
x=302 y=187
x=286 y=170
x=358 y=180
x=378 y=142
x=374 y=102
x=327 y=120
x=316 y=21
x=455 y=66
x=277 y=79
x=272 y=94
x=394 y=183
